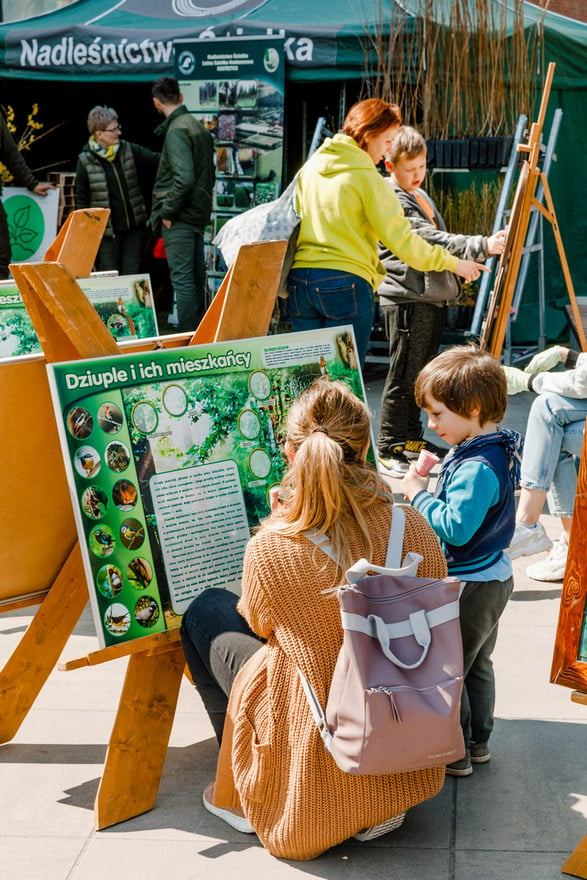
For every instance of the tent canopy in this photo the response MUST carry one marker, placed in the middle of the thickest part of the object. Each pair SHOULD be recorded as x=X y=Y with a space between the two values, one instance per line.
x=132 y=40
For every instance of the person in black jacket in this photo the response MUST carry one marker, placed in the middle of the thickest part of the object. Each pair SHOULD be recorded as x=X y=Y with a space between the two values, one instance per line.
x=182 y=199
x=23 y=176
x=116 y=174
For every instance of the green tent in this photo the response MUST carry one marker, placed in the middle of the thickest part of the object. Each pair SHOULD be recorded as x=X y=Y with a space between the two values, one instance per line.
x=131 y=41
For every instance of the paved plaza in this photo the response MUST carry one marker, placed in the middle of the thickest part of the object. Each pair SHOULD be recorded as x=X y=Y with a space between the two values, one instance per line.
x=518 y=817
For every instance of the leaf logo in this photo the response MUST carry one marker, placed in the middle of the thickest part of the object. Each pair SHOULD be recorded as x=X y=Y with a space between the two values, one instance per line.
x=26 y=226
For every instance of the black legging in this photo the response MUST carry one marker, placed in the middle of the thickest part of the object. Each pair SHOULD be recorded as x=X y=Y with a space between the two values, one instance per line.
x=217 y=642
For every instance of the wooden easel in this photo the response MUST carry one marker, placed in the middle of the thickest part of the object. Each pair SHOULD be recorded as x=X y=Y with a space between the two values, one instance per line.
x=500 y=302
x=69 y=328
x=566 y=670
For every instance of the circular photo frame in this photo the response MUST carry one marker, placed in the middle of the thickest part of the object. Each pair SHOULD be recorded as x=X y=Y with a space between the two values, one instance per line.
x=117 y=619
x=139 y=573
x=249 y=424
x=80 y=423
x=144 y=417
x=87 y=462
x=102 y=541
x=124 y=494
x=260 y=385
x=94 y=502
x=132 y=533
x=110 y=418
x=259 y=463
x=109 y=581
x=146 y=611
x=117 y=456
x=175 y=400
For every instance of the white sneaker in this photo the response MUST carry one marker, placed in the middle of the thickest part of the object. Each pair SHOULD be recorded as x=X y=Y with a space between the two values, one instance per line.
x=234 y=818
x=378 y=830
x=553 y=567
x=528 y=540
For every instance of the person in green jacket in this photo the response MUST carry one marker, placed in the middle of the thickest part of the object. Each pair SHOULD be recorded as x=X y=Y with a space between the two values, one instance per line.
x=23 y=176
x=182 y=199
x=346 y=207
x=116 y=174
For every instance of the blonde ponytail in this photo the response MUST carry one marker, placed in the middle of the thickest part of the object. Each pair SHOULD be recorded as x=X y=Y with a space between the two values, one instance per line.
x=329 y=484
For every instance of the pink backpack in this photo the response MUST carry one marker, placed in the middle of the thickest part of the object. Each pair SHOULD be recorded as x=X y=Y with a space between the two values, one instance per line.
x=395 y=696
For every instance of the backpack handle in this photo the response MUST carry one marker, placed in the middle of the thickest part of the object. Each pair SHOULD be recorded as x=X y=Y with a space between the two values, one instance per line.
x=363 y=567
x=420 y=631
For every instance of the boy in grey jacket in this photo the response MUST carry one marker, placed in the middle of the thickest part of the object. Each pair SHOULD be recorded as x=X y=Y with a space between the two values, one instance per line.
x=413 y=304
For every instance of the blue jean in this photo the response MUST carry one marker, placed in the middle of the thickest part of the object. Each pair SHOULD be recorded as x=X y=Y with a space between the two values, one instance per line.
x=329 y=298
x=554 y=439
x=217 y=642
x=480 y=607
x=187 y=268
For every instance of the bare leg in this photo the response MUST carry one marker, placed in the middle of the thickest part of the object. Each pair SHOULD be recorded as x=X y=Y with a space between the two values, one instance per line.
x=530 y=506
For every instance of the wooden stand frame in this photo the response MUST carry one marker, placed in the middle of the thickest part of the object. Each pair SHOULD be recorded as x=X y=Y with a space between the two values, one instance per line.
x=500 y=302
x=69 y=328
x=567 y=669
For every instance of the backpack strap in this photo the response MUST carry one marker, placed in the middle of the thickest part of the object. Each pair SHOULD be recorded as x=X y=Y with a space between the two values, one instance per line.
x=393 y=556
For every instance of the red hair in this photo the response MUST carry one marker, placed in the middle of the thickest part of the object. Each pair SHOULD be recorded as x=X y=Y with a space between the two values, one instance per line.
x=370 y=118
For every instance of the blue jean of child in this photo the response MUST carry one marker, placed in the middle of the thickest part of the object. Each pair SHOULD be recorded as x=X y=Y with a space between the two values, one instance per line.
x=554 y=438
x=329 y=298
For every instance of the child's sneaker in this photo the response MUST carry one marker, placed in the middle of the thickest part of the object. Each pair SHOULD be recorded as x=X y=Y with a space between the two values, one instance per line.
x=553 y=567
x=413 y=448
x=460 y=768
x=480 y=753
x=528 y=540
x=396 y=464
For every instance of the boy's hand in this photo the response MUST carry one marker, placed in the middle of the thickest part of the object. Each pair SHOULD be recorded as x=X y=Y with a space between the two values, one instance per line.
x=517 y=379
x=545 y=360
x=496 y=243
x=413 y=483
x=470 y=270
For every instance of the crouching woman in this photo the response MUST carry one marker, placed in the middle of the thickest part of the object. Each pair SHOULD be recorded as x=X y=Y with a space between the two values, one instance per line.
x=274 y=776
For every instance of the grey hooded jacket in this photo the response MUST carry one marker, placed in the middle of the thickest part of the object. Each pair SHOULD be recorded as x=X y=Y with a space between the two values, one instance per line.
x=404 y=284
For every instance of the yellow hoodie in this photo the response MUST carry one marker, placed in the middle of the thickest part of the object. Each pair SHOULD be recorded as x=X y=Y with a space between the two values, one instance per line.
x=346 y=208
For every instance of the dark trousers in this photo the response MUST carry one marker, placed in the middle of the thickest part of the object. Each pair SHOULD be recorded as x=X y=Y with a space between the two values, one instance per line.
x=414 y=331
x=187 y=267
x=123 y=252
x=217 y=642
x=480 y=607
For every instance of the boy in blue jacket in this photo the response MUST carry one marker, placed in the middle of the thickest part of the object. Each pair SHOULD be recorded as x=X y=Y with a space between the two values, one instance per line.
x=464 y=392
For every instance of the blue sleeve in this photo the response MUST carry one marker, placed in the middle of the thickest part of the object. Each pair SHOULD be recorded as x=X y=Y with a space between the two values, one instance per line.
x=473 y=489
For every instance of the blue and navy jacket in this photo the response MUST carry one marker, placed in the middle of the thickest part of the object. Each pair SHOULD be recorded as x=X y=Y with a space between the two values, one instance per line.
x=473 y=507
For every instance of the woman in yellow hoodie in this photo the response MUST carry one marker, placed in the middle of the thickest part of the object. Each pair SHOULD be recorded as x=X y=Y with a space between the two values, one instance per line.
x=346 y=208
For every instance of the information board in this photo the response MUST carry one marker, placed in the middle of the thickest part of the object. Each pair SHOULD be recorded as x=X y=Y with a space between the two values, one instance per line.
x=171 y=456
x=123 y=302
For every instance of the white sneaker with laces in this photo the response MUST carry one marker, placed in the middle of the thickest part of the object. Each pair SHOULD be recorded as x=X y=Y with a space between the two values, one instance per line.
x=528 y=540
x=553 y=567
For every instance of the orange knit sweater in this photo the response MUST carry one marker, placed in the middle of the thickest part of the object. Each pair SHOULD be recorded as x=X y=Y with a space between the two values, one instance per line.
x=272 y=761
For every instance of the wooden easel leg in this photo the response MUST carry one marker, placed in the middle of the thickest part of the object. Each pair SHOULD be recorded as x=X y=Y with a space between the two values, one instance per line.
x=140 y=736
x=38 y=651
x=576 y=864
x=551 y=216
